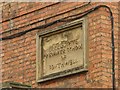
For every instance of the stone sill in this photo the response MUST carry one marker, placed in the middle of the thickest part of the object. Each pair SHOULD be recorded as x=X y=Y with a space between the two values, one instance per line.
x=59 y=76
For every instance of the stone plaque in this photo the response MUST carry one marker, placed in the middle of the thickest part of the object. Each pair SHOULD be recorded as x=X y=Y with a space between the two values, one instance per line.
x=62 y=52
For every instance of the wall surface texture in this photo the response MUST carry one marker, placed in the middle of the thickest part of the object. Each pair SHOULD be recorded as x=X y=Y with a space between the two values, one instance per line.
x=19 y=54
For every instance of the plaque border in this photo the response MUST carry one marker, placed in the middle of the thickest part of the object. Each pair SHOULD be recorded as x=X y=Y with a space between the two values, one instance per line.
x=59 y=29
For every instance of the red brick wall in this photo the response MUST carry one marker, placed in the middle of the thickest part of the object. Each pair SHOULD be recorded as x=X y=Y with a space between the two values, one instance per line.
x=19 y=54
x=119 y=47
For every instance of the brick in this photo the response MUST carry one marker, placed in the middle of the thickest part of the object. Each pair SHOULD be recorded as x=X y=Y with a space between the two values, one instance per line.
x=19 y=54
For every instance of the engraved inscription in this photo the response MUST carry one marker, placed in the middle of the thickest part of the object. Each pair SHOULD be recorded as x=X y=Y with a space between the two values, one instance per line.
x=63 y=51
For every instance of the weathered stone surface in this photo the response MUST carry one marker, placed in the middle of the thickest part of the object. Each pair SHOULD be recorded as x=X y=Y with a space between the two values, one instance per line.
x=63 y=51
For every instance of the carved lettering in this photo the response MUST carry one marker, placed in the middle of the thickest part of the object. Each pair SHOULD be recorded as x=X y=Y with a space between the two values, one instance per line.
x=63 y=64
x=63 y=48
x=62 y=51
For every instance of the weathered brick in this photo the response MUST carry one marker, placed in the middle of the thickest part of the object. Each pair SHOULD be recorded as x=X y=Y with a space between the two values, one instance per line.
x=19 y=54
